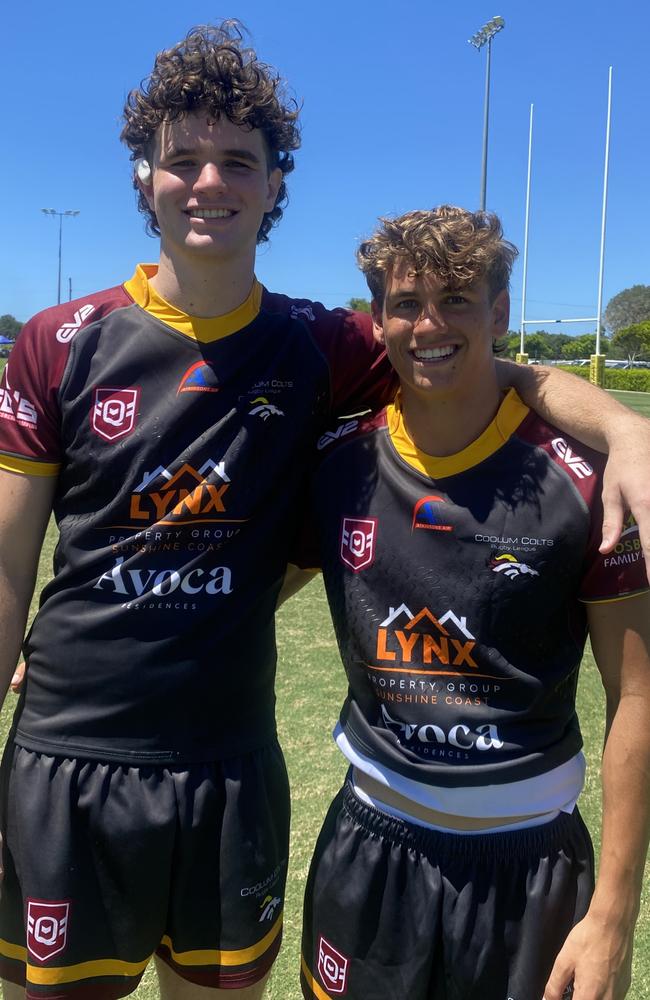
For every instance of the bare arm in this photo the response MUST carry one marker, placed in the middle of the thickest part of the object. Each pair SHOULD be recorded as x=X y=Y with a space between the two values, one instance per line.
x=598 y=951
x=25 y=506
x=294 y=580
x=597 y=419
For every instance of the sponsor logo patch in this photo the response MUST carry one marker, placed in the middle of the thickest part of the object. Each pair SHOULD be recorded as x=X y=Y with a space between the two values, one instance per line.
x=185 y=497
x=269 y=907
x=329 y=437
x=305 y=311
x=199 y=377
x=16 y=408
x=262 y=408
x=508 y=565
x=114 y=412
x=578 y=466
x=47 y=928
x=427 y=513
x=332 y=967
x=358 y=538
x=410 y=641
x=67 y=330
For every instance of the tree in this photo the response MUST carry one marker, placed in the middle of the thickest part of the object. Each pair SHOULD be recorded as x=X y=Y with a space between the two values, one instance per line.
x=629 y=307
x=359 y=305
x=633 y=341
x=10 y=326
x=583 y=347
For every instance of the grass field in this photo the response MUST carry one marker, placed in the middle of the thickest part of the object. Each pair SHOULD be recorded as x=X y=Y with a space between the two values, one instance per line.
x=310 y=689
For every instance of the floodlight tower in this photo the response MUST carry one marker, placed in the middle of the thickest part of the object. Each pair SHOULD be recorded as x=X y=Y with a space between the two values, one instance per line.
x=53 y=211
x=485 y=35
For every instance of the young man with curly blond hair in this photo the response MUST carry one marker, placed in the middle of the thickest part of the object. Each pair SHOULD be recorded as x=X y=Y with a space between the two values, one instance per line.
x=166 y=422
x=459 y=538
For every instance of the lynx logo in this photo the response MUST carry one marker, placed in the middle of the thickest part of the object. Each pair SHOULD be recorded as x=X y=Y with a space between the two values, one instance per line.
x=67 y=331
x=47 y=928
x=339 y=432
x=199 y=377
x=269 y=906
x=306 y=311
x=132 y=583
x=187 y=496
x=265 y=409
x=578 y=465
x=508 y=565
x=358 y=542
x=404 y=639
x=15 y=407
x=332 y=967
x=426 y=514
x=114 y=412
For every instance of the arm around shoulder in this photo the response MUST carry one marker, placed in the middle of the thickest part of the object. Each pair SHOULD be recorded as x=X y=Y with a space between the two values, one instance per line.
x=594 y=417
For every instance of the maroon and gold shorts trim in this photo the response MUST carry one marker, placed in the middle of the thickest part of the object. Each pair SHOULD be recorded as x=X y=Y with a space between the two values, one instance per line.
x=107 y=865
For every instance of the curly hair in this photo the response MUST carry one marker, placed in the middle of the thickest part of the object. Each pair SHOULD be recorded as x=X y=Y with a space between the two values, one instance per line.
x=459 y=246
x=211 y=72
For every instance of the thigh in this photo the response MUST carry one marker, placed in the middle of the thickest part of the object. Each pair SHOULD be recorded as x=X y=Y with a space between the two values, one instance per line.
x=229 y=871
x=174 y=987
x=87 y=849
x=510 y=901
x=372 y=905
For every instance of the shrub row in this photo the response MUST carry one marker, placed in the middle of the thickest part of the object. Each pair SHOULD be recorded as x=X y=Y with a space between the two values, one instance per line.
x=632 y=379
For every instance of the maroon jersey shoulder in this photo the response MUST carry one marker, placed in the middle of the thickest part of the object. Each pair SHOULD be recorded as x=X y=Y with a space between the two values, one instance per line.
x=361 y=376
x=29 y=407
x=606 y=576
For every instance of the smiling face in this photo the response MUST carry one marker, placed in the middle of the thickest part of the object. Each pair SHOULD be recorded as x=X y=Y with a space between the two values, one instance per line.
x=439 y=340
x=210 y=188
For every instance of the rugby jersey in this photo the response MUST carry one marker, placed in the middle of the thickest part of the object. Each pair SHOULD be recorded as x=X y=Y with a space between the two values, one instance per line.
x=179 y=446
x=457 y=589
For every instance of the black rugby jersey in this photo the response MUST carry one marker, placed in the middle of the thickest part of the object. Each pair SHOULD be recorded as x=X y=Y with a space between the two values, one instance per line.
x=456 y=587
x=179 y=460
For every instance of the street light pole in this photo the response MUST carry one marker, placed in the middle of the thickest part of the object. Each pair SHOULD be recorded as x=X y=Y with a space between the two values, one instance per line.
x=485 y=35
x=52 y=211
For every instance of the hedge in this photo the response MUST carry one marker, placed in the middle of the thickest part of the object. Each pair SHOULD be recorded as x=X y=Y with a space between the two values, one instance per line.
x=632 y=379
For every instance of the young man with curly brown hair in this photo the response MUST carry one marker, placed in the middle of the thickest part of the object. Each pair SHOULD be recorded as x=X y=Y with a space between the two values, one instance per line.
x=459 y=538
x=166 y=422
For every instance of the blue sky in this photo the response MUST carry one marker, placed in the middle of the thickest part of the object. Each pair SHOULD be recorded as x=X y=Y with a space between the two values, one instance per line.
x=392 y=100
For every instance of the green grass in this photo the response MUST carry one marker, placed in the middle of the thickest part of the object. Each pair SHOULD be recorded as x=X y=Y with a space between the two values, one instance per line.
x=310 y=690
x=639 y=401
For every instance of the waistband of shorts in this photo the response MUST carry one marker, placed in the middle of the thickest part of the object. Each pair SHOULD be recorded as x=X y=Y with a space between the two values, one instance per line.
x=499 y=845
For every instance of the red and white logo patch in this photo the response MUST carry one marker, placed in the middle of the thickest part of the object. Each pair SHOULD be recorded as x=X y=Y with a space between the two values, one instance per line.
x=332 y=967
x=114 y=412
x=358 y=541
x=47 y=928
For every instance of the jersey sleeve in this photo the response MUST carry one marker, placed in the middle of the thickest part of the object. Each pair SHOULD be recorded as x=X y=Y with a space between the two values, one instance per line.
x=617 y=574
x=29 y=408
x=362 y=377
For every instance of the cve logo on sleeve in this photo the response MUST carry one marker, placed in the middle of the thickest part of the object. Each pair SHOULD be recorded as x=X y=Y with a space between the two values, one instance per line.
x=332 y=967
x=47 y=928
x=114 y=412
x=358 y=538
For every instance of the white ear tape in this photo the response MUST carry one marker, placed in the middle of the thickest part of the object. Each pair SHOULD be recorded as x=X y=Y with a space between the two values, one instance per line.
x=143 y=170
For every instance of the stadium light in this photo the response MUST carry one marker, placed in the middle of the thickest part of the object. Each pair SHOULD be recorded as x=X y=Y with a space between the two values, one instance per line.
x=483 y=37
x=53 y=211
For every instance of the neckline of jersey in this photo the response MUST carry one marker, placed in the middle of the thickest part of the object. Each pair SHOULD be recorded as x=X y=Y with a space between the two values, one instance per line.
x=200 y=328
x=507 y=419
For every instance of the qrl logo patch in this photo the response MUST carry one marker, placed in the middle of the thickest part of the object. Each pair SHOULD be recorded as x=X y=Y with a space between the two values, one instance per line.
x=47 y=928
x=358 y=541
x=114 y=412
x=332 y=967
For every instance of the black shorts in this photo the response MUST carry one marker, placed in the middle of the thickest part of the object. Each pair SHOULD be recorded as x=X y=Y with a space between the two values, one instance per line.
x=395 y=911
x=107 y=864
